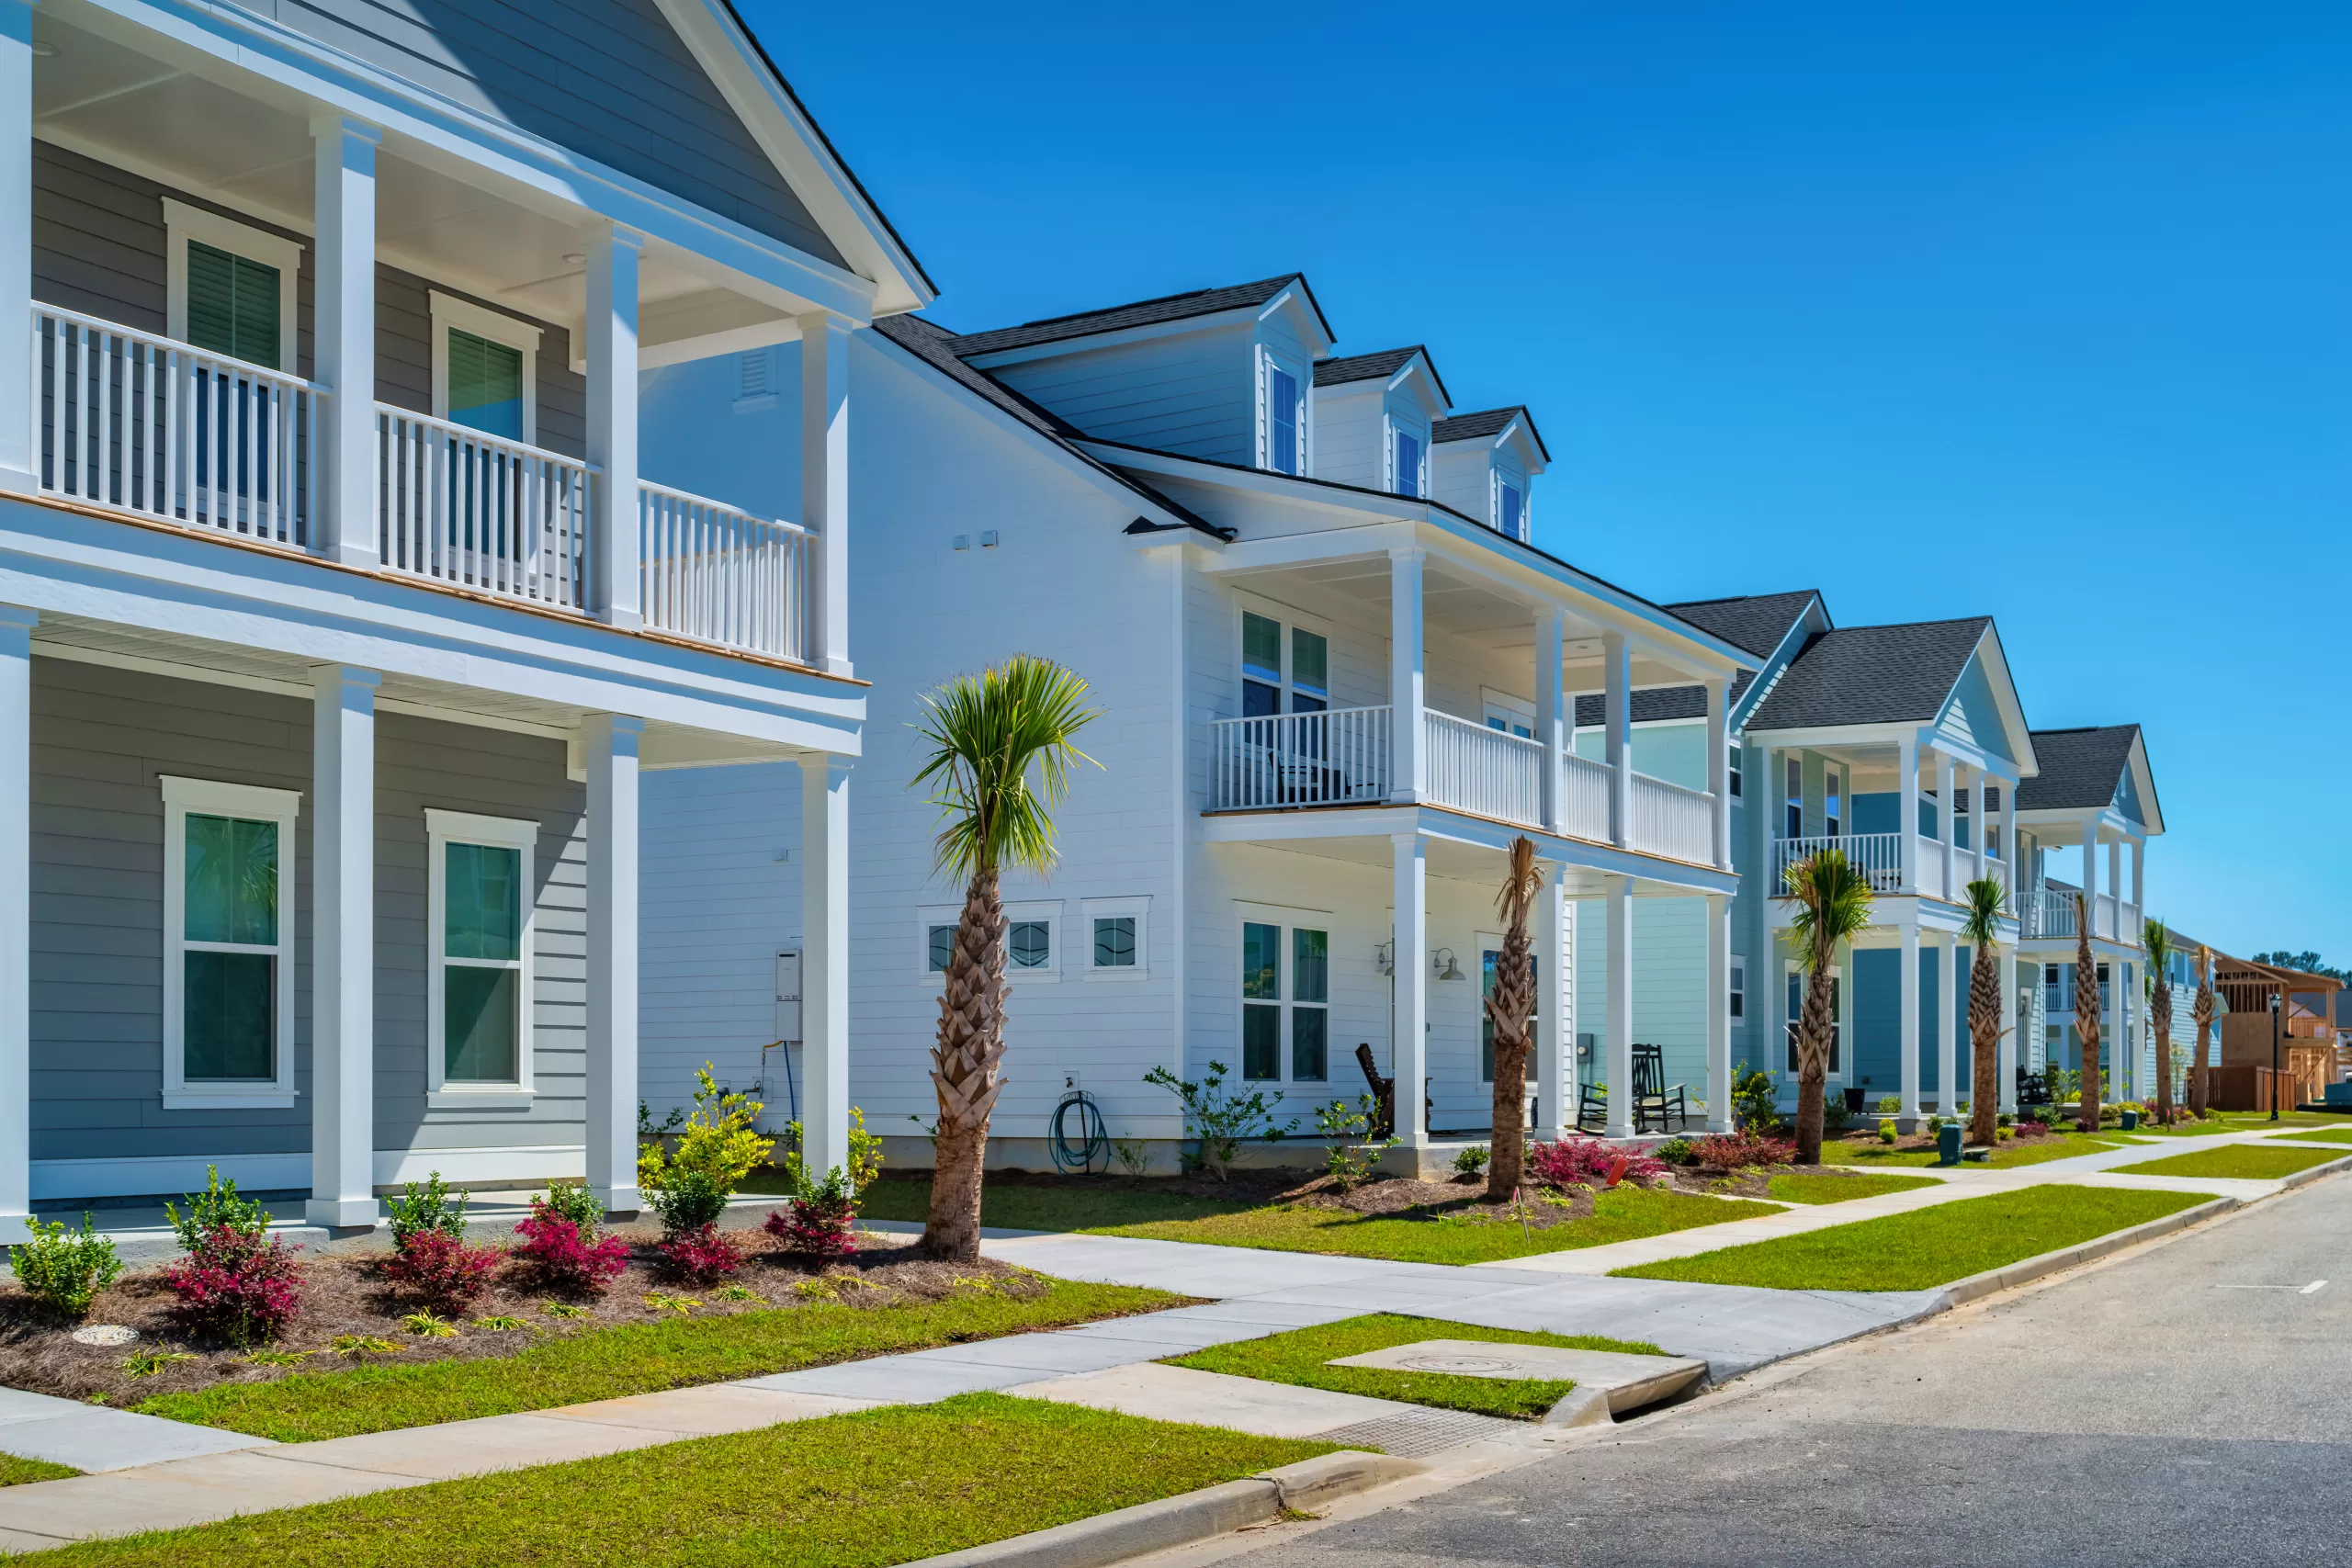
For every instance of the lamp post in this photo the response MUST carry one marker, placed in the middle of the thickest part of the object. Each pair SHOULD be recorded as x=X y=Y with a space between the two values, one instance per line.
x=2274 y=1056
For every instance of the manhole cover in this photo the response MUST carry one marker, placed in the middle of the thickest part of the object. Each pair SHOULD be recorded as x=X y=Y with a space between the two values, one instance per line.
x=1468 y=1366
x=105 y=1334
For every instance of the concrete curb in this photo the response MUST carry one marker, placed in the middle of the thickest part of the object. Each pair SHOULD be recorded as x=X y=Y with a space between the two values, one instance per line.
x=1962 y=1292
x=2315 y=1173
x=1188 y=1516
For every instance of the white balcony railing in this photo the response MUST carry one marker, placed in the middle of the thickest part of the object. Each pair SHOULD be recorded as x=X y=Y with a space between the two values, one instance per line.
x=1878 y=856
x=1671 y=820
x=1488 y=772
x=1339 y=758
x=719 y=574
x=1586 y=785
x=137 y=423
x=475 y=511
x=2050 y=912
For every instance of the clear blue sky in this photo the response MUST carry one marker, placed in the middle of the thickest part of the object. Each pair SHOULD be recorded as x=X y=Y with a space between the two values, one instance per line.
x=2030 y=310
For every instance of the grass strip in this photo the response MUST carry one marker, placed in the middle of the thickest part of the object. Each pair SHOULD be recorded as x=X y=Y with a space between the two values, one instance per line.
x=2338 y=1136
x=1298 y=1358
x=2006 y=1156
x=2251 y=1162
x=1928 y=1247
x=638 y=1358
x=1023 y=1208
x=1823 y=1187
x=17 y=1471
x=857 y=1491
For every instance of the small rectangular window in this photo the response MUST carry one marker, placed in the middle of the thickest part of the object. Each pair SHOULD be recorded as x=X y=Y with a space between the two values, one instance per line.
x=228 y=979
x=485 y=385
x=1513 y=522
x=1310 y=672
x=1732 y=757
x=1029 y=945
x=232 y=305
x=1794 y=826
x=477 y=1014
x=1310 y=987
x=1738 y=989
x=1114 y=942
x=1261 y=990
x=1408 y=463
x=1261 y=666
x=941 y=943
x=1281 y=421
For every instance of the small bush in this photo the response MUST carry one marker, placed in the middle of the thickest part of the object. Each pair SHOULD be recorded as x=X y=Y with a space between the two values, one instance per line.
x=2005 y=1119
x=820 y=1220
x=700 y=1256
x=1886 y=1131
x=216 y=1208
x=570 y=1201
x=64 y=1269
x=567 y=1256
x=442 y=1269
x=2002 y=1135
x=1676 y=1151
x=1589 y=1162
x=1889 y=1104
x=427 y=1208
x=1347 y=1159
x=429 y=1325
x=689 y=1200
x=719 y=1142
x=1472 y=1160
x=1756 y=1100
x=1730 y=1151
x=1221 y=1122
x=1834 y=1117
x=1133 y=1155
x=236 y=1285
x=1934 y=1126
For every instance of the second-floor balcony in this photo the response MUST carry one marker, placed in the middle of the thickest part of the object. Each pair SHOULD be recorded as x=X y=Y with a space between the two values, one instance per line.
x=2049 y=911
x=1894 y=863
x=1346 y=757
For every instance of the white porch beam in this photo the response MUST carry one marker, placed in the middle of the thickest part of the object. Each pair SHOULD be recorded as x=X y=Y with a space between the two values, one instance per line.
x=1552 y=726
x=342 y=947
x=1408 y=1056
x=1617 y=742
x=2012 y=1026
x=824 y=476
x=343 y=215
x=2090 y=873
x=824 y=966
x=18 y=346
x=1619 y=899
x=611 y=330
x=608 y=744
x=1979 y=827
x=1947 y=1024
x=1906 y=1115
x=16 y=897
x=1718 y=1013
x=1906 y=838
x=1719 y=764
x=1407 y=733
x=1553 y=1033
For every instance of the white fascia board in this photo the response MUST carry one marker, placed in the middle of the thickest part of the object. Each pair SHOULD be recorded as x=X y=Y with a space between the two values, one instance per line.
x=1291 y=302
x=230 y=46
x=1659 y=877
x=155 y=579
x=792 y=141
x=1927 y=735
x=2004 y=697
x=2143 y=779
x=1081 y=342
x=1417 y=369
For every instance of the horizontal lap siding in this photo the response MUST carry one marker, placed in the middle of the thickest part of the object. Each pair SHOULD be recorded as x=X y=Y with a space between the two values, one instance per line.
x=1193 y=393
x=609 y=79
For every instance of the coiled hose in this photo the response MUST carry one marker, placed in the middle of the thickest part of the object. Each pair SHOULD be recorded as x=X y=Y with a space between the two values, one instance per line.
x=1075 y=1159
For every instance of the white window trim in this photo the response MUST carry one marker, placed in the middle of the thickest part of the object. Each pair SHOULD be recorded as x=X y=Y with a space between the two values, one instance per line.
x=1049 y=910
x=1518 y=481
x=1287 y=919
x=183 y=223
x=449 y=312
x=252 y=803
x=1290 y=620
x=1504 y=704
x=443 y=828
x=1091 y=909
x=1394 y=425
x=1736 y=986
x=1268 y=363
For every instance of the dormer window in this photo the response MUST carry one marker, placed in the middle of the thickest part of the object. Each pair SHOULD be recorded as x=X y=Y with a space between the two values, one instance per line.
x=1408 y=463
x=1510 y=510
x=1285 y=447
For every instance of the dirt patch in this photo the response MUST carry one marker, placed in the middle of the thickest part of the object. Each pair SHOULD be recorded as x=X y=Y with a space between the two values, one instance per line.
x=349 y=1294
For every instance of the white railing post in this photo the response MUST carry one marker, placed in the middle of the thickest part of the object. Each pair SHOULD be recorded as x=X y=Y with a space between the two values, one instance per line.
x=19 y=339
x=611 y=333
x=1551 y=725
x=1719 y=769
x=1617 y=719
x=824 y=476
x=1906 y=769
x=1408 y=771
x=342 y=434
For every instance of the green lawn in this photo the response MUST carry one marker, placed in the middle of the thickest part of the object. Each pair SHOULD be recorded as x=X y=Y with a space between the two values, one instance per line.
x=16 y=1472
x=1298 y=1357
x=638 y=1358
x=1928 y=1247
x=2250 y=1161
x=1826 y=1187
x=2338 y=1136
x=1070 y=1208
x=2015 y=1152
x=2188 y=1130
x=860 y=1491
x=1619 y=1215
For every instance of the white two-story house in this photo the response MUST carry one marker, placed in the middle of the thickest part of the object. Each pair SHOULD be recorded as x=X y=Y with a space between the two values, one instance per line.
x=338 y=623
x=1336 y=680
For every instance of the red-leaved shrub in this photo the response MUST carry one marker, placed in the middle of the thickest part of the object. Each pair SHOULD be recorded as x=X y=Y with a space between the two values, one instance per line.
x=238 y=1285
x=822 y=1224
x=1732 y=1150
x=1589 y=1162
x=564 y=1258
x=700 y=1254
x=443 y=1270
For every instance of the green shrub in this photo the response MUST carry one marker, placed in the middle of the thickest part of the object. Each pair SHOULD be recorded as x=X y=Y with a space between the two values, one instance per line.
x=427 y=1208
x=1886 y=1130
x=719 y=1140
x=1834 y=1117
x=1220 y=1120
x=1347 y=1159
x=687 y=1200
x=1756 y=1100
x=1677 y=1151
x=2005 y=1119
x=569 y=1200
x=1888 y=1104
x=1471 y=1161
x=1934 y=1126
x=63 y=1269
x=218 y=1207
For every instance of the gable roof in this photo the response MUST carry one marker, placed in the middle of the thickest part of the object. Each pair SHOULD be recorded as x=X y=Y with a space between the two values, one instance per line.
x=1486 y=423
x=1377 y=366
x=1756 y=622
x=1898 y=675
x=2080 y=768
x=1651 y=704
x=1141 y=313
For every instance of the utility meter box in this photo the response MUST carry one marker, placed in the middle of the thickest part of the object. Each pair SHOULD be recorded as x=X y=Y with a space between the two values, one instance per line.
x=787 y=998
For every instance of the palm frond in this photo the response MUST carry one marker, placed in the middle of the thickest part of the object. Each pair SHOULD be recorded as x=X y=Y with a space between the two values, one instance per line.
x=987 y=732
x=1985 y=900
x=1521 y=883
x=1830 y=903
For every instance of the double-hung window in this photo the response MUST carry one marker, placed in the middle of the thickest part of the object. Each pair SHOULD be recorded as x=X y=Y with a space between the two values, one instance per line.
x=1731 y=759
x=1832 y=797
x=1792 y=827
x=485 y=370
x=1510 y=509
x=1737 y=1001
x=1285 y=990
x=1283 y=414
x=480 y=913
x=1267 y=675
x=230 y=287
x=1405 y=445
x=227 y=945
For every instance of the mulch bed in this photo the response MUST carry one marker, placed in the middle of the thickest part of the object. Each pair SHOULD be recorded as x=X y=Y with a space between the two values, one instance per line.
x=347 y=1293
x=1395 y=1196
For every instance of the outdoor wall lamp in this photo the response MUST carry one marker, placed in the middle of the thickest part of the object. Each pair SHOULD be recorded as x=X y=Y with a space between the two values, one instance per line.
x=1443 y=960
x=1383 y=957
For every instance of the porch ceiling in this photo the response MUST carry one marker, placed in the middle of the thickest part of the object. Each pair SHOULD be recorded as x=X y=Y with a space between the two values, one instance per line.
x=1457 y=860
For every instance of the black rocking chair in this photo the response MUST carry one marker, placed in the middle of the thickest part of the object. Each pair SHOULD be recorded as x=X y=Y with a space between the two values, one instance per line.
x=1659 y=1106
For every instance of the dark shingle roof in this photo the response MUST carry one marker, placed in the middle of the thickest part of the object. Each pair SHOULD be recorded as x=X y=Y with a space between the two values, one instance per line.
x=1486 y=422
x=1756 y=622
x=1871 y=674
x=1651 y=704
x=1142 y=313
x=2080 y=768
x=1375 y=368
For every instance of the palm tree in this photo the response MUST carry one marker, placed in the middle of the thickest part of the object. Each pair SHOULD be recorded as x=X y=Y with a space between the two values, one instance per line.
x=2157 y=943
x=1509 y=1007
x=1831 y=903
x=2087 y=1016
x=2201 y=1013
x=986 y=732
x=1982 y=929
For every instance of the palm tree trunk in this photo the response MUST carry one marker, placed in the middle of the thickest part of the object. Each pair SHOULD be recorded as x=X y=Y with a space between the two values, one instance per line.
x=964 y=1070
x=2086 y=1015
x=1985 y=1029
x=2160 y=1020
x=1509 y=1007
x=1812 y=1059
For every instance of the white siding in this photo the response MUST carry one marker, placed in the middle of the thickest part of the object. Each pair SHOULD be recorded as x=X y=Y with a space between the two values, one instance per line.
x=1193 y=392
x=1348 y=440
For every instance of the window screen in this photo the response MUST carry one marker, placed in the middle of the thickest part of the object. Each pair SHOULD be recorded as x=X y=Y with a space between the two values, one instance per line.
x=232 y=305
x=485 y=385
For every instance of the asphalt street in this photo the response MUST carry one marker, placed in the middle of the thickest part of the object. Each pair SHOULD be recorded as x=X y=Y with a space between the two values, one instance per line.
x=2189 y=1405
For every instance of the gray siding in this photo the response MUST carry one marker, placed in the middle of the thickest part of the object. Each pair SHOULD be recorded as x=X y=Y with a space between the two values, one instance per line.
x=101 y=737
x=610 y=79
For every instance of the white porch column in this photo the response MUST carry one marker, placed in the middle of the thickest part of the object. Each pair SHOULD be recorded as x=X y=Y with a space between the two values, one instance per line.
x=1409 y=1054
x=611 y=333
x=342 y=210
x=2090 y=874
x=1906 y=835
x=1617 y=713
x=1407 y=732
x=342 y=947
x=1947 y=1024
x=16 y=891
x=1552 y=1035
x=1980 y=829
x=1768 y=814
x=1718 y=1012
x=1719 y=766
x=1947 y=823
x=824 y=961
x=2115 y=889
x=2004 y=965
x=2123 y=1051
x=1906 y=1117
x=609 y=743
x=2139 y=882
x=1619 y=897
x=825 y=477
x=1551 y=725
x=19 y=466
